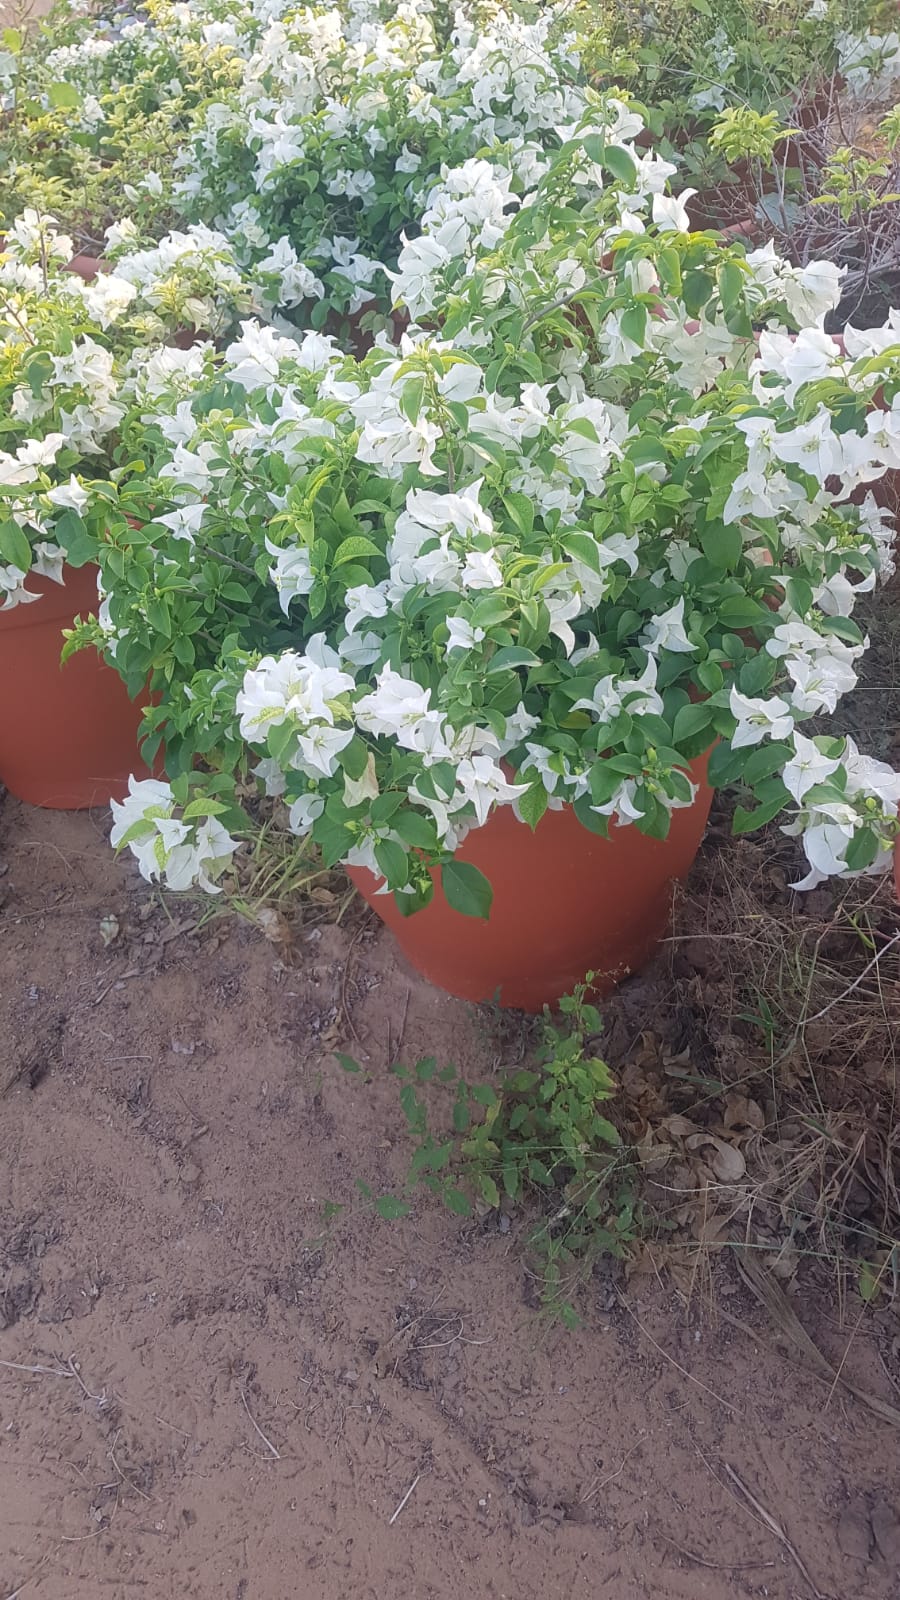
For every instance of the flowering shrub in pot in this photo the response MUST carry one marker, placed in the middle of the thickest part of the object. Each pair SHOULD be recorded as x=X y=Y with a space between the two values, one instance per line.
x=538 y=558
x=68 y=735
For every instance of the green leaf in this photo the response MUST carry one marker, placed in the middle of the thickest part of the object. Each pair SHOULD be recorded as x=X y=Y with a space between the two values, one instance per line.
x=748 y=821
x=741 y=612
x=862 y=850
x=604 y=1129
x=725 y=766
x=347 y=1062
x=456 y=1201
x=393 y=862
x=389 y=1207
x=512 y=655
x=488 y=447
x=533 y=804
x=14 y=546
x=763 y=762
x=689 y=721
x=411 y=398
x=354 y=758
x=722 y=544
x=711 y=676
x=415 y=830
x=489 y=1191
x=668 y=266
x=583 y=546
x=466 y=889
x=731 y=285
x=13 y=40
x=634 y=324
x=461 y=1118
x=72 y=534
x=868 y=1282
x=64 y=96
x=842 y=628
x=696 y=290
x=521 y=511
x=620 y=164
x=356 y=548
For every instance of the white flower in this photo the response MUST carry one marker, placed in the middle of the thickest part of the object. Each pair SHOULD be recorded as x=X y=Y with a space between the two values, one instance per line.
x=253 y=360
x=481 y=782
x=107 y=297
x=269 y=774
x=123 y=232
x=819 y=682
x=825 y=844
x=319 y=748
x=70 y=496
x=48 y=561
x=184 y=522
x=813 y=446
x=807 y=767
x=291 y=573
x=612 y=695
x=812 y=291
x=289 y=687
x=462 y=635
x=588 y=447
x=304 y=811
x=666 y=632
x=296 y=282
x=183 y=853
x=482 y=571
x=396 y=705
x=362 y=601
x=759 y=719
x=669 y=211
x=33 y=453
x=189 y=469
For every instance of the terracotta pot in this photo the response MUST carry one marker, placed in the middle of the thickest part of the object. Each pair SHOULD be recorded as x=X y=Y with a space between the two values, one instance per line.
x=566 y=902
x=86 y=267
x=68 y=734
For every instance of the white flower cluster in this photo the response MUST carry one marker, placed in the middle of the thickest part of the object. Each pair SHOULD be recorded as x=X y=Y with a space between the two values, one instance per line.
x=370 y=113
x=186 y=852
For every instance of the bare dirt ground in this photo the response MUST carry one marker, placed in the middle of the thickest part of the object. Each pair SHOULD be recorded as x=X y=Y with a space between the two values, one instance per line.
x=216 y=1385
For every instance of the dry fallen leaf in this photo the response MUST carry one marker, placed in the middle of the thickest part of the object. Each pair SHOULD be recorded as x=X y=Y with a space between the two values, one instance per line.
x=742 y=1112
x=109 y=929
x=274 y=926
x=727 y=1163
x=679 y=1127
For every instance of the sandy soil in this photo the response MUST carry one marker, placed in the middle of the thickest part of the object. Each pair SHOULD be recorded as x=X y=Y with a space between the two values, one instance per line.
x=238 y=1383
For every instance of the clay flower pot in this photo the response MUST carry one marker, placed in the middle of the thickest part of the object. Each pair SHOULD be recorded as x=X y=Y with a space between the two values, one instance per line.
x=68 y=734
x=566 y=902
x=86 y=267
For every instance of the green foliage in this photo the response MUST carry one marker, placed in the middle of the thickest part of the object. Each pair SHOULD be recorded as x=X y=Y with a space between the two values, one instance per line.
x=740 y=132
x=537 y=1135
x=858 y=183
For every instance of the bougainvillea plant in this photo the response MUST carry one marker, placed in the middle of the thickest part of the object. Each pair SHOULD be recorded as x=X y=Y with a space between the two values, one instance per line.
x=606 y=503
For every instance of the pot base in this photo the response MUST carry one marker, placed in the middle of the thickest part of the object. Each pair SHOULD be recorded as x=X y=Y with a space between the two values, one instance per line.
x=566 y=902
x=68 y=734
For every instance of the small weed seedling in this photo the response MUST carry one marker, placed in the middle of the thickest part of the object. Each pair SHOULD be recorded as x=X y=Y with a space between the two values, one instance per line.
x=538 y=1132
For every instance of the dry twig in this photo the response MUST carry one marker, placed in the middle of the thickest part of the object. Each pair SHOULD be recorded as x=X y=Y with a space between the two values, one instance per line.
x=258 y=1430
x=409 y=1491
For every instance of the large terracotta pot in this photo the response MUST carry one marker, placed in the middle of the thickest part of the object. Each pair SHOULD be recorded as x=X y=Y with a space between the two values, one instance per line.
x=566 y=902
x=86 y=267
x=68 y=734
